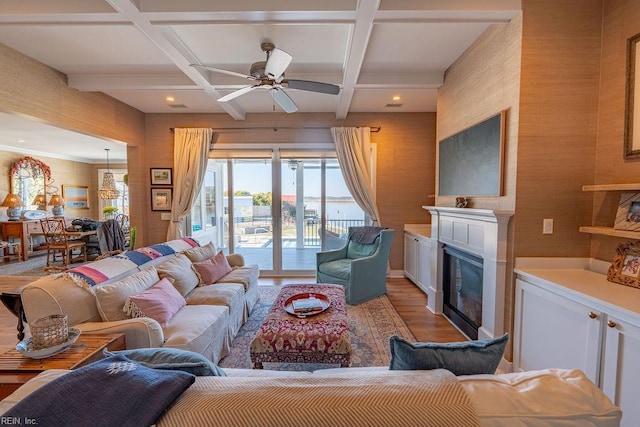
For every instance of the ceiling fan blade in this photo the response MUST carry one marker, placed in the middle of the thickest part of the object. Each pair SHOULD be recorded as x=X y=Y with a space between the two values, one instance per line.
x=218 y=70
x=237 y=93
x=312 y=86
x=281 y=97
x=276 y=64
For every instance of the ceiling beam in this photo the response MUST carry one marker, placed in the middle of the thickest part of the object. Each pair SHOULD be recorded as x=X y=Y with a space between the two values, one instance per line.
x=177 y=53
x=357 y=48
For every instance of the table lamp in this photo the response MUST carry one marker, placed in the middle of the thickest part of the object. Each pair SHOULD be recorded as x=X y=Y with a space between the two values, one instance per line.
x=57 y=202
x=40 y=201
x=13 y=204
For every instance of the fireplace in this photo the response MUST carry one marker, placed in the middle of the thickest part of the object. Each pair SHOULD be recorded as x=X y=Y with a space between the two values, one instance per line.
x=462 y=290
x=469 y=246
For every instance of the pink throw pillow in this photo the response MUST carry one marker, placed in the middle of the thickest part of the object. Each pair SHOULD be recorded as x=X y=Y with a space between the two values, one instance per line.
x=160 y=302
x=212 y=269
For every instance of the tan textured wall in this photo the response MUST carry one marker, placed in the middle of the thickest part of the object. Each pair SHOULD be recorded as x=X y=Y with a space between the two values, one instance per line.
x=621 y=21
x=405 y=168
x=36 y=91
x=63 y=172
x=558 y=116
x=482 y=82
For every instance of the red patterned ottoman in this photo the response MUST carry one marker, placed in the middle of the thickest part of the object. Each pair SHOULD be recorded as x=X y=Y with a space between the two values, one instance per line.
x=322 y=338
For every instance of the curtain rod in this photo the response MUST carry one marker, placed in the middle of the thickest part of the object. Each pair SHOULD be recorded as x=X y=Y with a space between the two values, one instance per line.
x=276 y=128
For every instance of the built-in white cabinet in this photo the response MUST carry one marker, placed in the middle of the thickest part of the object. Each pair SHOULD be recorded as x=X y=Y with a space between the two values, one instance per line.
x=575 y=318
x=417 y=259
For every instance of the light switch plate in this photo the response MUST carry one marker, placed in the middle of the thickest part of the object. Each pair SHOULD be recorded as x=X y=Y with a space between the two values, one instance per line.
x=547 y=226
x=165 y=216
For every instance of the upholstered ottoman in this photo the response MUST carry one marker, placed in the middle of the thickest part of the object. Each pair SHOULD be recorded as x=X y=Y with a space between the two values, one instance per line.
x=321 y=338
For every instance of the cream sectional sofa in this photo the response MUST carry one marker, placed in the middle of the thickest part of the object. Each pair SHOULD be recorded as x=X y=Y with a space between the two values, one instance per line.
x=380 y=397
x=93 y=296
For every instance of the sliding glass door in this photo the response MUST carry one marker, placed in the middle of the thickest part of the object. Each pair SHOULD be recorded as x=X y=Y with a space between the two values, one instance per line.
x=284 y=208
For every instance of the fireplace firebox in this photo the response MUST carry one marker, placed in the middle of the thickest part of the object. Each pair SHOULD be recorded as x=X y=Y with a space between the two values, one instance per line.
x=462 y=290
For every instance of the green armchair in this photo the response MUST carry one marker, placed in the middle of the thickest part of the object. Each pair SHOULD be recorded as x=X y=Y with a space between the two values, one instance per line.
x=360 y=268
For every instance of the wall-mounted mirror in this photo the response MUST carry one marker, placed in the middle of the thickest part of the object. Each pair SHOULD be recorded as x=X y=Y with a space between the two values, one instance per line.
x=29 y=179
x=632 y=117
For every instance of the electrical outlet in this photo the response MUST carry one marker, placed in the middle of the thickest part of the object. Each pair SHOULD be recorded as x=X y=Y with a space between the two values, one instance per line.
x=547 y=226
x=165 y=216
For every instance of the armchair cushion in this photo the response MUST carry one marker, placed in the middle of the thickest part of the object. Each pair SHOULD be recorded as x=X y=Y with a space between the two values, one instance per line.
x=357 y=250
x=340 y=268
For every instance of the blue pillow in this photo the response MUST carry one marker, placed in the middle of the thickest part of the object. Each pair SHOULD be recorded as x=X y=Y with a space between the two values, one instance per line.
x=109 y=392
x=461 y=358
x=172 y=359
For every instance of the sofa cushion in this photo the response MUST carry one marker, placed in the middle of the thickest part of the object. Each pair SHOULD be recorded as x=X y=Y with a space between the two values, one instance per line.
x=201 y=253
x=160 y=302
x=213 y=269
x=200 y=328
x=172 y=359
x=110 y=298
x=246 y=275
x=461 y=358
x=179 y=269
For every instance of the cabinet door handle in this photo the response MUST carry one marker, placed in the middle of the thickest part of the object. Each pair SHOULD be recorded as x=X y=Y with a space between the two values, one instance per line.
x=611 y=324
x=592 y=315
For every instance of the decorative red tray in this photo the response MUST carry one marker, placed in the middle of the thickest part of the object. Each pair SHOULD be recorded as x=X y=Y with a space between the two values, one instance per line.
x=321 y=301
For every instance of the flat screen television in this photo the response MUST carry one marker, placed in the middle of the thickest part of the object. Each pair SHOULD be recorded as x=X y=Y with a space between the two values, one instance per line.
x=470 y=162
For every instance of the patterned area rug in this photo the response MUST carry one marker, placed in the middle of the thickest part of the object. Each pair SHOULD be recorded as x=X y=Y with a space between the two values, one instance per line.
x=372 y=323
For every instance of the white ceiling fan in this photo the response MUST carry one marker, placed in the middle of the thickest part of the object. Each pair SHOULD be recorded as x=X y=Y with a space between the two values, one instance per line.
x=269 y=74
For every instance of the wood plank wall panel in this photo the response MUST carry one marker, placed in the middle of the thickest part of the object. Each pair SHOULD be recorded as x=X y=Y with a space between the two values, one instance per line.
x=405 y=168
x=558 y=117
x=621 y=21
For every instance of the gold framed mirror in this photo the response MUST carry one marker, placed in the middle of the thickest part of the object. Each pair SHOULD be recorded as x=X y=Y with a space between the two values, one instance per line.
x=29 y=179
x=632 y=114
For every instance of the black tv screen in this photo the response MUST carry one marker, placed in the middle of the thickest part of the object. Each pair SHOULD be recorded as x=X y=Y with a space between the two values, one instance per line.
x=470 y=162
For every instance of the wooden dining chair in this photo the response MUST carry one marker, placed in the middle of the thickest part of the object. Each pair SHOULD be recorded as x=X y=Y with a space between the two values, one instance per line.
x=125 y=226
x=61 y=245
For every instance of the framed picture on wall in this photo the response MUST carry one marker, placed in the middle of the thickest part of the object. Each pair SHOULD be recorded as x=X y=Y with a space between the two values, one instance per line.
x=161 y=176
x=75 y=196
x=161 y=199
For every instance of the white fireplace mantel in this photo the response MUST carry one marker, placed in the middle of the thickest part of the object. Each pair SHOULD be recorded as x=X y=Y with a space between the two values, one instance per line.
x=482 y=232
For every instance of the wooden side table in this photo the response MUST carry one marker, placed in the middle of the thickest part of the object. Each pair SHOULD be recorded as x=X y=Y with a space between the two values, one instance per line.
x=16 y=369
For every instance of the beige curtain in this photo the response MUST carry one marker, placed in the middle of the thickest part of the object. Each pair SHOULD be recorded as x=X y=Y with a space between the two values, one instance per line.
x=353 y=148
x=190 y=156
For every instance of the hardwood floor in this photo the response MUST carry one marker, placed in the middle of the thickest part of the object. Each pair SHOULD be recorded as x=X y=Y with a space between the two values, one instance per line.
x=409 y=301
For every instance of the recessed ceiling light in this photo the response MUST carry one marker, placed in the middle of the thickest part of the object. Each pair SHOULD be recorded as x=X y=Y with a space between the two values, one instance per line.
x=170 y=99
x=20 y=140
x=396 y=98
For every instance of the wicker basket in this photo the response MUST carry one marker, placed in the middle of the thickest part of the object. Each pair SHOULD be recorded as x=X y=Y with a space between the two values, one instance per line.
x=49 y=331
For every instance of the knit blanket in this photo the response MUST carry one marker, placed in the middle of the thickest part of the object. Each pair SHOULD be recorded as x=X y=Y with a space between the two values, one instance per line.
x=365 y=235
x=110 y=392
x=389 y=398
x=97 y=272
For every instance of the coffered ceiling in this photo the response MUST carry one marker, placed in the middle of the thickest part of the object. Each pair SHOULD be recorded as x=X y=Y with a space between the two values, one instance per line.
x=140 y=51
